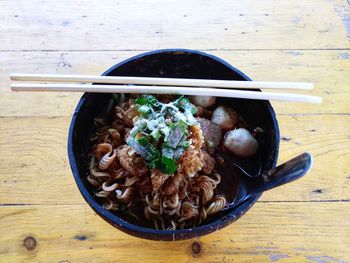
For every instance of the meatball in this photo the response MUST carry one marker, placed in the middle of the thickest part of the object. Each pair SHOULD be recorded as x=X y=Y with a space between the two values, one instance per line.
x=203 y=101
x=241 y=143
x=225 y=117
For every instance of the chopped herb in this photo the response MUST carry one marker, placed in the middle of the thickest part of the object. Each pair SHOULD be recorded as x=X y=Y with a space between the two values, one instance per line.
x=168 y=152
x=144 y=110
x=146 y=100
x=182 y=125
x=178 y=152
x=143 y=141
x=156 y=135
x=169 y=165
x=174 y=137
x=186 y=105
x=141 y=150
x=159 y=134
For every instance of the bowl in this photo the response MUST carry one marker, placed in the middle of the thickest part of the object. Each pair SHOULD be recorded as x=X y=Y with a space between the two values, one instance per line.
x=175 y=63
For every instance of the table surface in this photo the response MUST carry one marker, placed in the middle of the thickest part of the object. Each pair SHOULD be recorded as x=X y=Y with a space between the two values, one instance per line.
x=43 y=217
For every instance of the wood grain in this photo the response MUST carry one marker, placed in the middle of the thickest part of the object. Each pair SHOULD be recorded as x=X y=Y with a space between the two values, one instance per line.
x=34 y=167
x=43 y=217
x=223 y=24
x=283 y=232
x=327 y=69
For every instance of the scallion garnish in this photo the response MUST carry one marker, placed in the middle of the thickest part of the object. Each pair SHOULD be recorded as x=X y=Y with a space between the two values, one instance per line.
x=159 y=135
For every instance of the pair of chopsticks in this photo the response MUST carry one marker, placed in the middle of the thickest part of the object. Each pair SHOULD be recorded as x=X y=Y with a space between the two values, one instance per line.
x=147 y=85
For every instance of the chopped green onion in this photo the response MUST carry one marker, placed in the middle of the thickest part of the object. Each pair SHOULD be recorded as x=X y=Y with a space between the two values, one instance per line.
x=141 y=101
x=159 y=134
x=144 y=110
x=174 y=137
x=141 y=150
x=184 y=104
x=169 y=165
x=182 y=125
x=178 y=152
x=147 y=100
x=156 y=135
x=143 y=141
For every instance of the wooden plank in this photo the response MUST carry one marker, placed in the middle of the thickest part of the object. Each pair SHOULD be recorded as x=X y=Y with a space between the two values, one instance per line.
x=327 y=69
x=283 y=232
x=305 y=221
x=34 y=152
x=224 y=24
x=327 y=139
x=34 y=167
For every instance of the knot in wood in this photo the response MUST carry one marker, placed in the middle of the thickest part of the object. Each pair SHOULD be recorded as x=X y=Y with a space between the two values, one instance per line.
x=196 y=248
x=29 y=243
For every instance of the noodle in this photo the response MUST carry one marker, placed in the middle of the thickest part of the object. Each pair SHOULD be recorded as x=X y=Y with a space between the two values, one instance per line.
x=122 y=179
x=126 y=195
x=107 y=160
x=218 y=204
x=109 y=188
x=102 y=149
x=97 y=174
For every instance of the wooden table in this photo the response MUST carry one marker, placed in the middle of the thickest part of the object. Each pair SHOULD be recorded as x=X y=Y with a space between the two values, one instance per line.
x=43 y=217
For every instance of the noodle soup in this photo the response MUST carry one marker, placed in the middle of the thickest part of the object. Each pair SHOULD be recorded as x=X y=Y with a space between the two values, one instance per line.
x=97 y=118
x=153 y=159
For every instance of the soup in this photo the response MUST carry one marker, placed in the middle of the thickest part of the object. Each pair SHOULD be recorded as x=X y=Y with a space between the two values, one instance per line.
x=154 y=159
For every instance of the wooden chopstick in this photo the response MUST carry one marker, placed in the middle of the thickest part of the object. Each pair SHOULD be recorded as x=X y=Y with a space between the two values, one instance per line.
x=167 y=90
x=163 y=81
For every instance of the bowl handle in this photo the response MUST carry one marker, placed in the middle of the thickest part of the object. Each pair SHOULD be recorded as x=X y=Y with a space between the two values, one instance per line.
x=286 y=172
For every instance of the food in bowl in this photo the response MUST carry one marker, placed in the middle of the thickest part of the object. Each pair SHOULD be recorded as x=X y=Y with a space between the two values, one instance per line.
x=153 y=159
x=173 y=63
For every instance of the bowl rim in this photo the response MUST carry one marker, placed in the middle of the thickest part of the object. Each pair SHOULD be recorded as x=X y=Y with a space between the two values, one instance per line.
x=149 y=232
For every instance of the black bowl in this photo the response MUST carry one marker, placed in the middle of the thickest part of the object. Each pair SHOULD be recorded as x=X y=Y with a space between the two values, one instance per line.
x=168 y=63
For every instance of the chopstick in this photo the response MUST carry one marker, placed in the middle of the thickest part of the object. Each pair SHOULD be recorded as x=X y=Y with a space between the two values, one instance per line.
x=168 y=90
x=163 y=81
x=204 y=87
